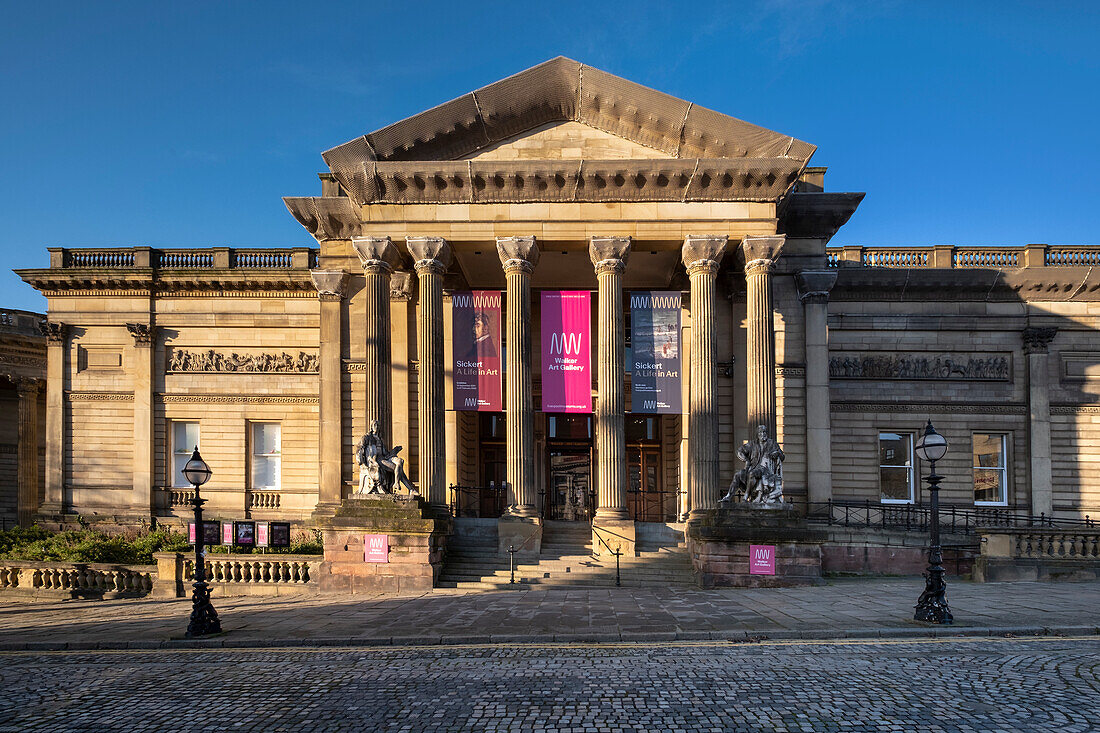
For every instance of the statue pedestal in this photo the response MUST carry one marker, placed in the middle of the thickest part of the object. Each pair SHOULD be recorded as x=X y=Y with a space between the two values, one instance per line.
x=721 y=543
x=408 y=559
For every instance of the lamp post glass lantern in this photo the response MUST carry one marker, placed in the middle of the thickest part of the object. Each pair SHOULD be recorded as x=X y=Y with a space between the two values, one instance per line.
x=932 y=604
x=204 y=619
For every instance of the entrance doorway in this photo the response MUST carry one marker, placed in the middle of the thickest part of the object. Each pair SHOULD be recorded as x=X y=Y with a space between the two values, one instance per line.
x=647 y=499
x=570 y=495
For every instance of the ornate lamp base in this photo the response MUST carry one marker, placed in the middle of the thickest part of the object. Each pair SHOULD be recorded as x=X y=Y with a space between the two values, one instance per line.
x=204 y=619
x=932 y=604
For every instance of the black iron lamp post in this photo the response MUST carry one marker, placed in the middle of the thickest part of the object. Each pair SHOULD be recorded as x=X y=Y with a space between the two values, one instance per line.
x=932 y=604
x=204 y=619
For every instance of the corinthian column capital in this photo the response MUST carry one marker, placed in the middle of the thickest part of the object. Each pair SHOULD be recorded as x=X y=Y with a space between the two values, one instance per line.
x=762 y=252
x=814 y=286
x=431 y=254
x=703 y=253
x=376 y=253
x=518 y=254
x=330 y=284
x=609 y=254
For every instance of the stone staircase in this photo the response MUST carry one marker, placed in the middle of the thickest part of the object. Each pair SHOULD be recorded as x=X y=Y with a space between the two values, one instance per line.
x=566 y=560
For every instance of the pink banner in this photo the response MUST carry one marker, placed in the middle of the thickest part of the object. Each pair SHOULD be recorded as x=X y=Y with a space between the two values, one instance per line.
x=475 y=344
x=761 y=559
x=566 y=351
x=376 y=548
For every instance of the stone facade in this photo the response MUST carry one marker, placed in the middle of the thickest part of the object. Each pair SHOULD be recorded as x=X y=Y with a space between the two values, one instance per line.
x=831 y=347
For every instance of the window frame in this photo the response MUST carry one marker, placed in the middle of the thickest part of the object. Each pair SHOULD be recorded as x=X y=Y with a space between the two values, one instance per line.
x=253 y=455
x=912 y=467
x=173 y=451
x=1003 y=468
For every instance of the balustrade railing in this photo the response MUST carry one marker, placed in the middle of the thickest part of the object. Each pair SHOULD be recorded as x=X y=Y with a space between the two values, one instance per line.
x=297 y=258
x=1060 y=544
x=954 y=518
x=26 y=575
x=895 y=258
x=989 y=258
x=185 y=259
x=262 y=500
x=256 y=569
x=101 y=258
x=994 y=258
x=262 y=258
x=1072 y=256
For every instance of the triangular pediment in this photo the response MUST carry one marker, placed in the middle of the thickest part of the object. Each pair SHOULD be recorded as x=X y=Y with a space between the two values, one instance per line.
x=565 y=141
x=574 y=112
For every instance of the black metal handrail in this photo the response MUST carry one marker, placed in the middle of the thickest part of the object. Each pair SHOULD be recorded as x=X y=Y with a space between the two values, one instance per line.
x=478 y=501
x=954 y=518
x=616 y=552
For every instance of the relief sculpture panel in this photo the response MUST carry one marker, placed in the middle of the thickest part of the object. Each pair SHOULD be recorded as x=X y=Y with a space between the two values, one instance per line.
x=209 y=360
x=996 y=367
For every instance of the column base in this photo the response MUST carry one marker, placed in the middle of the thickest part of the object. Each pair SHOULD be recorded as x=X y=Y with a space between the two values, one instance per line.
x=617 y=534
x=524 y=534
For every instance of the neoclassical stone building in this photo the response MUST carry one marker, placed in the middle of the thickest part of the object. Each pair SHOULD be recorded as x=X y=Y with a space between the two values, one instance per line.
x=566 y=179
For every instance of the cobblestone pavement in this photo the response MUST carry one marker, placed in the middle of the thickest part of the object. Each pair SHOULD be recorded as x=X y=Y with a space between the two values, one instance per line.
x=843 y=608
x=974 y=684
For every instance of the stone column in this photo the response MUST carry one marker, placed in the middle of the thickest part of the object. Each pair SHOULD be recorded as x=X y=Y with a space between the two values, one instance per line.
x=403 y=368
x=331 y=288
x=612 y=522
x=432 y=256
x=379 y=258
x=519 y=256
x=57 y=351
x=813 y=289
x=145 y=338
x=27 y=468
x=1036 y=343
x=760 y=256
x=702 y=256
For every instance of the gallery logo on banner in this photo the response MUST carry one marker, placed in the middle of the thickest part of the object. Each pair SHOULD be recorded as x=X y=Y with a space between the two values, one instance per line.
x=475 y=342
x=761 y=559
x=566 y=351
x=655 y=351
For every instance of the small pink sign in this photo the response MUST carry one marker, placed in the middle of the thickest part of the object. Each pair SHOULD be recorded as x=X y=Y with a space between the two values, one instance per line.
x=376 y=548
x=227 y=533
x=262 y=539
x=191 y=533
x=761 y=559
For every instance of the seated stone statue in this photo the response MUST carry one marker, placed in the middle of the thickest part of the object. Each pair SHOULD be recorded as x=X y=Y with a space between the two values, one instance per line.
x=761 y=480
x=380 y=470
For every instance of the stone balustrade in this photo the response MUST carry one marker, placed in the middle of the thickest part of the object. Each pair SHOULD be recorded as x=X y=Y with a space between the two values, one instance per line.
x=126 y=258
x=1038 y=553
x=54 y=580
x=952 y=257
x=238 y=575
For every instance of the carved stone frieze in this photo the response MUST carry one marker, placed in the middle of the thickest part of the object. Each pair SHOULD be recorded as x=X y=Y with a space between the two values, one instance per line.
x=235 y=399
x=927 y=408
x=986 y=367
x=183 y=360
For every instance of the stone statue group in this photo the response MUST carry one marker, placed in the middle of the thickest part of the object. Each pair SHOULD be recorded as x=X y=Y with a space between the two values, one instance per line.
x=380 y=469
x=760 y=482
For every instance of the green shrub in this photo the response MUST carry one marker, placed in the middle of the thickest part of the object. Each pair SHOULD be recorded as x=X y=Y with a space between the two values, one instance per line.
x=87 y=545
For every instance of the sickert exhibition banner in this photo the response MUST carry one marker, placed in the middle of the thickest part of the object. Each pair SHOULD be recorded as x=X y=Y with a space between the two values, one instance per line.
x=475 y=342
x=655 y=358
x=566 y=351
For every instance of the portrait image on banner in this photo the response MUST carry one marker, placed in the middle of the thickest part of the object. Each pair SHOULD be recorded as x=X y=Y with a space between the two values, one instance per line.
x=475 y=344
x=566 y=351
x=655 y=351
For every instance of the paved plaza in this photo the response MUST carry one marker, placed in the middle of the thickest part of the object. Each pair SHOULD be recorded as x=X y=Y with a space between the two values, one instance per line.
x=961 y=684
x=843 y=608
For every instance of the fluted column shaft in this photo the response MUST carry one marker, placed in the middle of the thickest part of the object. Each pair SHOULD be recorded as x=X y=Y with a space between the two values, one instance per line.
x=760 y=256
x=27 y=468
x=609 y=255
x=702 y=257
x=518 y=256
x=379 y=257
x=432 y=259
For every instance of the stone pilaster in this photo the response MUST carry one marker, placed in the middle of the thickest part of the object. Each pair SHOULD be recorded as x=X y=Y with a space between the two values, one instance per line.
x=612 y=522
x=403 y=368
x=813 y=290
x=379 y=258
x=331 y=288
x=27 y=468
x=57 y=351
x=145 y=338
x=432 y=257
x=760 y=256
x=1036 y=344
x=519 y=256
x=702 y=256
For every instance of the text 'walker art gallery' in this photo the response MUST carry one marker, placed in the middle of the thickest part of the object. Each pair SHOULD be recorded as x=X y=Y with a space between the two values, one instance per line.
x=566 y=330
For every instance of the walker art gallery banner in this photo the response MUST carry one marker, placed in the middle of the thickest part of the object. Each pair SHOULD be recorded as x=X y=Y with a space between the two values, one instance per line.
x=566 y=351
x=655 y=357
x=475 y=316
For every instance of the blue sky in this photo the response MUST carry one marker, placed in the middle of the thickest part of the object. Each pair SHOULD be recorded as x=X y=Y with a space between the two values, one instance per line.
x=183 y=124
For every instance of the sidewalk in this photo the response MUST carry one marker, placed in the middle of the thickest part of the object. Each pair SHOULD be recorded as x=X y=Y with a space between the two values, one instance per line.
x=844 y=608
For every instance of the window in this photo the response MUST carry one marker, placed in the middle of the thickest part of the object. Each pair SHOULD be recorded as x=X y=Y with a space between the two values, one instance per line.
x=185 y=438
x=895 y=467
x=265 y=455
x=990 y=468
